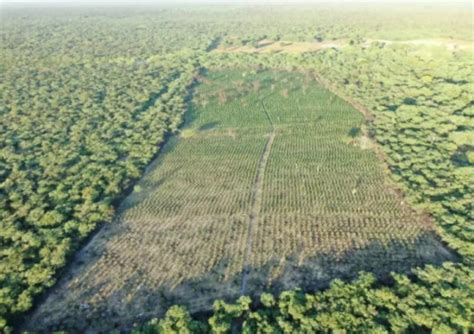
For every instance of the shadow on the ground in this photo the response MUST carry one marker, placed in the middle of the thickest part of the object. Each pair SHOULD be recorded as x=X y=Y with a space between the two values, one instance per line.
x=133 y=297
x=208 y=126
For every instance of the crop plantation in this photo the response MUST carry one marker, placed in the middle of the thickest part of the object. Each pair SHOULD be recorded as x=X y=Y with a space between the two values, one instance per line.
x=238 y=168
x=270 y=184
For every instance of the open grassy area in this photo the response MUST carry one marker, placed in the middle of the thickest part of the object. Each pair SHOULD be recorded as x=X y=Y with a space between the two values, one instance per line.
x=269 y=186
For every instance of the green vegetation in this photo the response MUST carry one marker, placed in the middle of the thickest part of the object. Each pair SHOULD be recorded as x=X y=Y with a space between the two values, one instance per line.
x=260 y=194
x=70 y=156
x=439 y=301
x=75 y=134
x=422 y=101
x=87 y=96
x=419 y=104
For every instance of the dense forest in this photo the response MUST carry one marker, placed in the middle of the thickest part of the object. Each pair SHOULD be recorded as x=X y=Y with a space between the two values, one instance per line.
x=438 y=300
x=87 y=97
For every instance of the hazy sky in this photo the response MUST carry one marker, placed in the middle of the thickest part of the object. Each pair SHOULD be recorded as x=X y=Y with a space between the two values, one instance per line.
x=227 y=1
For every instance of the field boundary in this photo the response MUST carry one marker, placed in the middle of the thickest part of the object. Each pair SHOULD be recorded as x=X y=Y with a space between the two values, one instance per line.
x=425 y=218
x=375 y=147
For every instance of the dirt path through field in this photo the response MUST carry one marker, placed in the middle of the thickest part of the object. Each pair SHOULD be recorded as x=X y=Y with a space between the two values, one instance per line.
x=257 y=192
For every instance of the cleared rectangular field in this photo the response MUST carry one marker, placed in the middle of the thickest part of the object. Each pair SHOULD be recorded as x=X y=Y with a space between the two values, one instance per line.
x=269 y=186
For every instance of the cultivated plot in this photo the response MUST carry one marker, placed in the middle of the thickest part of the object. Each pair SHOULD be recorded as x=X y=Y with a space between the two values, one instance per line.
x=269 y=186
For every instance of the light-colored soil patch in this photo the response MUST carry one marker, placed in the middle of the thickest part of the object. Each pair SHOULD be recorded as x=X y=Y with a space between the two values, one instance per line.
x=302 y=47
x=286 y=47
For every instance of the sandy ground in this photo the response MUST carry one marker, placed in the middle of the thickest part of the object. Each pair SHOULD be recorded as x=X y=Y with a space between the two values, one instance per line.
x=301 y=47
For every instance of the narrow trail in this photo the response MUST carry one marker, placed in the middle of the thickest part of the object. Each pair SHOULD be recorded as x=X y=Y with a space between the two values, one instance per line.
x=257 y=192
